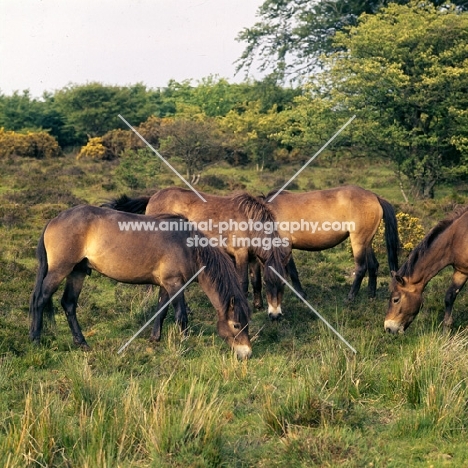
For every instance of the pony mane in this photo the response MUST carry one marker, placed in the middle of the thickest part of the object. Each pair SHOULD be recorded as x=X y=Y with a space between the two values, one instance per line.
x=127 y=204
x=223 y=276
x=421 y=249
x=256 y=209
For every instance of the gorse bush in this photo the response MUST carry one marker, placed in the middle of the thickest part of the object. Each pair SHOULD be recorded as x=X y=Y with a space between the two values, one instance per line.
x=410 y=230
x=94 y=149
x=116 y=142
x=39 y=145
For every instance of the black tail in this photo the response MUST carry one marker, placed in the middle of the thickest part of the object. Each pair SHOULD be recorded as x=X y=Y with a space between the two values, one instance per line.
x=391 y=234
x=41 y=256
x=129 y=205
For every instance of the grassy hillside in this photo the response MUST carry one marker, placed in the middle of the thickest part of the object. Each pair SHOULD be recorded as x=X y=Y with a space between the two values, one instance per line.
x=302 y=400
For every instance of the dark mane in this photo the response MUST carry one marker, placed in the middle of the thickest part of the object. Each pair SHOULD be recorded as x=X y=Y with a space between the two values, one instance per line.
x=127 y=204
x=421 y=249
x=222 y=274
x=256 y=208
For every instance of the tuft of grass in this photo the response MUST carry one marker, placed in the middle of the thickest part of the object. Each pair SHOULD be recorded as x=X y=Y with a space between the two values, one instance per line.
x=434 y=381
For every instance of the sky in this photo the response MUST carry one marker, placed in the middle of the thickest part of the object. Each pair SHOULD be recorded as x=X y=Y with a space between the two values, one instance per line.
x=46 y=45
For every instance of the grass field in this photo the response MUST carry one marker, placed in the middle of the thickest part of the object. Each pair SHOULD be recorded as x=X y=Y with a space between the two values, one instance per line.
x=302 y=400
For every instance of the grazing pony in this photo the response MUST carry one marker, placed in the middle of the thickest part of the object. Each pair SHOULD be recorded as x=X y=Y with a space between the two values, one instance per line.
x=325 y=218
x=446 y=244
x=233 y=220
x=135 y=249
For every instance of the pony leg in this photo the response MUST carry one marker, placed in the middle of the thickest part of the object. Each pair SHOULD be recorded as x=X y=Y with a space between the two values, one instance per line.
x=72 y=291
x=256 y=280
x=294 y=275
x=360 y=261
x=242 y=268
x=180 y=310
x=372 y=268
x=163 y=297
x=458 y=281
x=49 y=285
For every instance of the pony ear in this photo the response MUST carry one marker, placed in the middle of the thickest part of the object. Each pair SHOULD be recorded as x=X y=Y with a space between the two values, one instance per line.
x=399 y=279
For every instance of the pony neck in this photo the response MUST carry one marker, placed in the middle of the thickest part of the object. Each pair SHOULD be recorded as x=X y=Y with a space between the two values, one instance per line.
x=437 y=257
x=211 y=291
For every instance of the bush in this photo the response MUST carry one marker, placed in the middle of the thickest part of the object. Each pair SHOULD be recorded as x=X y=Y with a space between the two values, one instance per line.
x=94 y=149
x=39 y=145
x=115 y=142
x=138 y=169
x=410 y=231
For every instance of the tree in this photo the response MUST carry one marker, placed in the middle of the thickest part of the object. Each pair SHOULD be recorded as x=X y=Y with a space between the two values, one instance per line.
x=20 y=111
x=292 y=35
x=255 y=132
x=404 y=73
x=91 y=110
x=197 y=141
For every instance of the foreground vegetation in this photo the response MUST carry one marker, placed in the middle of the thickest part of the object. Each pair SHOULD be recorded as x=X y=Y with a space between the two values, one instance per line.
x=302 y=400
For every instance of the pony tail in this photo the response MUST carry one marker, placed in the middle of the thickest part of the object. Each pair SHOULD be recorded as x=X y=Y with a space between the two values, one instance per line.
x=41 y=255
x=392 y=239
x=127 y=204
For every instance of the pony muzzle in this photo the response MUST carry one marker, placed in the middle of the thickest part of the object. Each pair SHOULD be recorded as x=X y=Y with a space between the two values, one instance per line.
x=243 y=351
x=274 y=313
x=391 y=326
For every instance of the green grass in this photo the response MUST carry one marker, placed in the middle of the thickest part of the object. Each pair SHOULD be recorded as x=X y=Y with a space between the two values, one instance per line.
x=302 y=400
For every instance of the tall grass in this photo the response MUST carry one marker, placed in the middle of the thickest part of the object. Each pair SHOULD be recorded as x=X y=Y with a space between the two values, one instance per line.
x=92 y=421
x=434 y=385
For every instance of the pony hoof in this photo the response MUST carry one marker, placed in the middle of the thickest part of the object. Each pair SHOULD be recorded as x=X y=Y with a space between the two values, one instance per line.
x=82 y=344
x=154 y=339
x=258 y=305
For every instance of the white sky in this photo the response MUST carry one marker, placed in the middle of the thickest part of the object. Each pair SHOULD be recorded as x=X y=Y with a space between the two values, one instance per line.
x=48 y=44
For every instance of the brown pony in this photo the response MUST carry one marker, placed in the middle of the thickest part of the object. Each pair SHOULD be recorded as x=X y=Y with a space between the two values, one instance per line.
x=446 y=244
x=134 y=249
x=243 y=245
x=332 y=216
